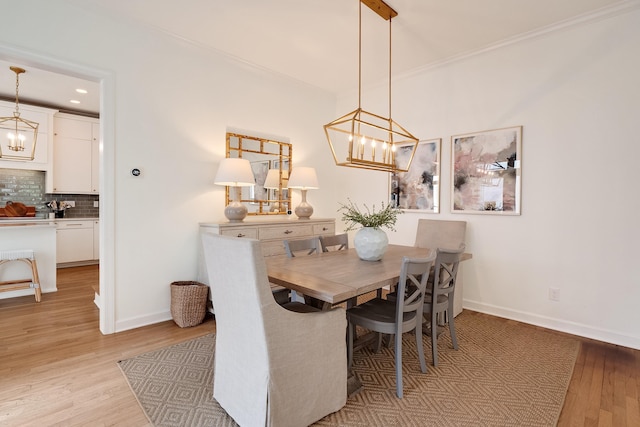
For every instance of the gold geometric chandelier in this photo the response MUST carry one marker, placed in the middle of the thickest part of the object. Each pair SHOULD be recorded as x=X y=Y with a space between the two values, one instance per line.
x=365 y=140
x=19 y=135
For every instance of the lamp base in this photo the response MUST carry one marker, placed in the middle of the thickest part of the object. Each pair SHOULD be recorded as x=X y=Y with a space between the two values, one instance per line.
x=304 y=210
x=235 y=212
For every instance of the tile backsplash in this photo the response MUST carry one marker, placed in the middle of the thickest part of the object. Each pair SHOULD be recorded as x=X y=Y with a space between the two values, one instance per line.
x=28 y=187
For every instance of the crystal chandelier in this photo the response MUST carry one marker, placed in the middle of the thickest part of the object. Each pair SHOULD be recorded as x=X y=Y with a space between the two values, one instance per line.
x=17 y=135
x=365 y=140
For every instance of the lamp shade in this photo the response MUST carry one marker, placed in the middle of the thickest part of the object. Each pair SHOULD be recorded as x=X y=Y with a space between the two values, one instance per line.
x=273 y=179
x=235 y=173
x=304 y=178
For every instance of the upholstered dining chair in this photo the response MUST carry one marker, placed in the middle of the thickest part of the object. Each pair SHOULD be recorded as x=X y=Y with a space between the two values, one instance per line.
x=335 y=242
x=308 y=246
x=440 y=300
x=435 y=233
x=396 y=318
x=267 y=372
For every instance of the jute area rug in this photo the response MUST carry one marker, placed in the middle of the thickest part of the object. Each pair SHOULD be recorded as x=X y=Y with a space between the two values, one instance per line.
x=505 y=373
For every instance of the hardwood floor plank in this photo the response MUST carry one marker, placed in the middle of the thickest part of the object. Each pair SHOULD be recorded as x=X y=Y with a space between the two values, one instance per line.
x=56 y=368
x=592 y=405
x=605 y=419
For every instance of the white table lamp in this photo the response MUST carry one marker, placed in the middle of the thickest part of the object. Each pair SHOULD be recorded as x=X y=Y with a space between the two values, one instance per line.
x=272 y=182
x=273 y=179
x=303 y=178
x=235 y=173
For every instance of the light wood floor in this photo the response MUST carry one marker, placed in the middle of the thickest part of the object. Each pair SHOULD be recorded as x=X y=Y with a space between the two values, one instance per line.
x=57 y=369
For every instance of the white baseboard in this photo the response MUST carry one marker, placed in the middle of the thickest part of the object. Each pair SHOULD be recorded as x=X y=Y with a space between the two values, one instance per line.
x=555 y=324
x=137 y=322
x=97 y=300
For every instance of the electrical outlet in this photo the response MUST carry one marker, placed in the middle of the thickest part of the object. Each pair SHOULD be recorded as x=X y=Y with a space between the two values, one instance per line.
x=71 y=203
x=96 y=204
x=554 y=294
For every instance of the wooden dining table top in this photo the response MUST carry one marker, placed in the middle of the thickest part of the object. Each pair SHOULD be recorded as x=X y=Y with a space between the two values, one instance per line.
x=337 y=276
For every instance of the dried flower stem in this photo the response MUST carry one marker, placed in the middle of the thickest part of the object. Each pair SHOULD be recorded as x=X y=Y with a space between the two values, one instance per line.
x=353 y=216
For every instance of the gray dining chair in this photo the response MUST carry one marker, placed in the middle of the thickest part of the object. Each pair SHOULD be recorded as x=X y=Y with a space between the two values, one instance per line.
x=302 y=246
x=395 y=318
x=440 y=300
x=336 y=242
x=445 y=234
x=310 y=246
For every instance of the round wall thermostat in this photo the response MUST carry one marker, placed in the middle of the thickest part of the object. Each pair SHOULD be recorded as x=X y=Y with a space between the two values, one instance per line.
x=136 y=172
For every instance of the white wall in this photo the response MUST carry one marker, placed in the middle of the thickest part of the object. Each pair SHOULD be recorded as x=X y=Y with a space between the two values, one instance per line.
x=173 y=102
x=574 y=91
x=576 y=94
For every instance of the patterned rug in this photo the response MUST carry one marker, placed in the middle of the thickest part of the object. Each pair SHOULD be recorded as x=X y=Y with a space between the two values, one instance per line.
x=504 y=374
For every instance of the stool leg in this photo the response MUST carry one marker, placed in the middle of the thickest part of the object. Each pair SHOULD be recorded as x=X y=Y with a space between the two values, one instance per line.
x=36 y=280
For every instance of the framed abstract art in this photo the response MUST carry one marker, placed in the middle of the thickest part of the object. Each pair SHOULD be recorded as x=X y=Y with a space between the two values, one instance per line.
x=486 y=171
x=418 y=189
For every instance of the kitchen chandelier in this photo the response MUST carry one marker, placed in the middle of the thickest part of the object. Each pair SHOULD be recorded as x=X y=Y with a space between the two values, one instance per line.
x=18 y=134
x=368 y=140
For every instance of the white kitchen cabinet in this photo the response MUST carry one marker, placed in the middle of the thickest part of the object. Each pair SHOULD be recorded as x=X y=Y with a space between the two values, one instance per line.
x=95 y=157
x=74 y=241
x=96 y=239
x=75 y=154
x=44 y=118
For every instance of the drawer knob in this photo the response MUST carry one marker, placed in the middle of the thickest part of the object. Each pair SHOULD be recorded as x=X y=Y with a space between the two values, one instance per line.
x=240 y=235
x=288 y=232
x=324 y=228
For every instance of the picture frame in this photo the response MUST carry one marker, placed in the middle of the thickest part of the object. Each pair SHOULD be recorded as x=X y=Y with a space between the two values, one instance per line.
x=275 y=164
x=418 y=189
x=257 y=192
x=486 y=172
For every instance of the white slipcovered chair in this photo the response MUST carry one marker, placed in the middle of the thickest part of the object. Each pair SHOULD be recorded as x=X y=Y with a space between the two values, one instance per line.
x=273 y=367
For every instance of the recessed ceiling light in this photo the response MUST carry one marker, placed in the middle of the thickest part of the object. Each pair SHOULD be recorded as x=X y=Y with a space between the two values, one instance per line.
x=83 y=91
x=74 y=101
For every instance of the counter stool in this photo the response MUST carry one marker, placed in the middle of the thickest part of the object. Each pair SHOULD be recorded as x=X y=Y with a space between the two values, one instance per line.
x=27 y=256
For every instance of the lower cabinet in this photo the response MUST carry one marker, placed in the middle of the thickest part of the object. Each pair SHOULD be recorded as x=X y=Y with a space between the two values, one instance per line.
x=75 y=242
x=96 y=239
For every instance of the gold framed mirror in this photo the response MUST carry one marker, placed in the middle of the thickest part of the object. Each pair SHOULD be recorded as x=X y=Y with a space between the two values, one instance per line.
x=271 y=165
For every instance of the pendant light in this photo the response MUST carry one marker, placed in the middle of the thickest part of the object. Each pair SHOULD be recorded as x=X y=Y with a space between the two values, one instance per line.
x=17 y=135
x=365 y=140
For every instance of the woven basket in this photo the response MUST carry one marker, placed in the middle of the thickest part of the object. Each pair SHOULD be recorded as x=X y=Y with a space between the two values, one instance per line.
x=188 y=303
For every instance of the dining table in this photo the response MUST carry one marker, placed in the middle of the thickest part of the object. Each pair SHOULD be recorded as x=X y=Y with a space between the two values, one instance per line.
x=341 y=276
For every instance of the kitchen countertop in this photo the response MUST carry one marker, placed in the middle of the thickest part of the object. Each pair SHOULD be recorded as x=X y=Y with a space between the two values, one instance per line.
x=20 y=221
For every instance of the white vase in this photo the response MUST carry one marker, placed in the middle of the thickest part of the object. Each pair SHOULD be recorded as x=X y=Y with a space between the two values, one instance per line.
x=371 y=243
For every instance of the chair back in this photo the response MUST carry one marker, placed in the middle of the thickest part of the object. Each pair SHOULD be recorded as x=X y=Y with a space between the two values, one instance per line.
x=240 y=288
x=445 y=272
x=412 y=283
x=309 y=246
x=434 y=233
x=265 y=364
x=336 y=242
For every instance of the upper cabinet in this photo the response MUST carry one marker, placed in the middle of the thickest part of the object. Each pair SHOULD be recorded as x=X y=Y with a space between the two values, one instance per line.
x=44 y=118
x=76 y=145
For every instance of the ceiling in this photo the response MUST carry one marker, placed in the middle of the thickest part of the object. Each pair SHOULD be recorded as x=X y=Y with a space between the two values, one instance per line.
x=316 y=42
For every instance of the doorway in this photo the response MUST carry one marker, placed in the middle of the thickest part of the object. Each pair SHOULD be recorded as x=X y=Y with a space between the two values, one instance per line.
x=106 y=302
